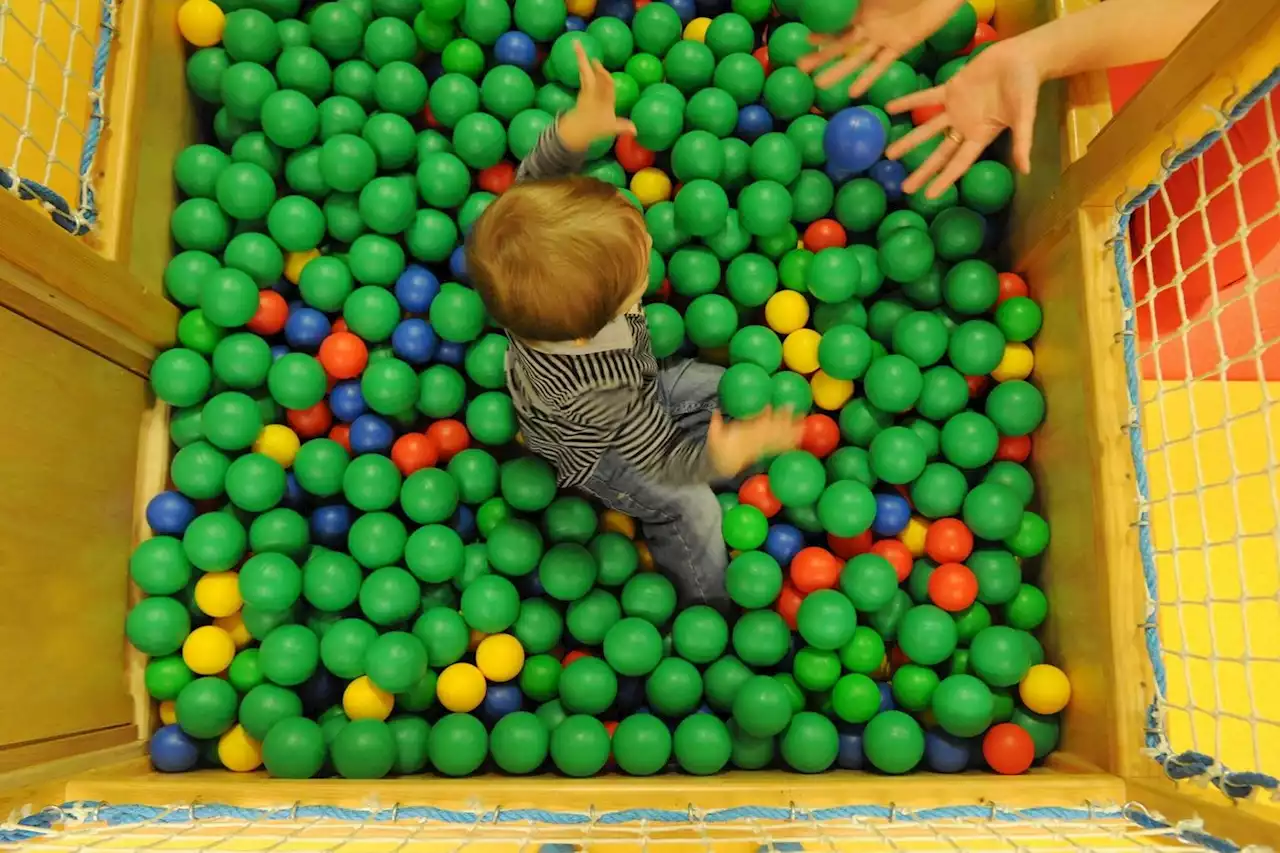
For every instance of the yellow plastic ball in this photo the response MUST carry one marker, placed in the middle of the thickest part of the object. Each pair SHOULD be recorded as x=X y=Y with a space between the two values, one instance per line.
x=295 y=261
x=460 y=688
x=828 y=393
x=234 y=626
x=500 y=657
x=984 y=8
x=1016 y=363
x=201 y=22
x=218 y=594
x=696 y=30
x=278 y=442
x=581 y=8
x=800 y=350
x=786 y=311
x=364 y=700
x=612 y=521
x=208 y=650
x=239 y=752
x=168 y=712
x=651 y=186
x=1045 y=689
x=913 y=535
x=644 y=557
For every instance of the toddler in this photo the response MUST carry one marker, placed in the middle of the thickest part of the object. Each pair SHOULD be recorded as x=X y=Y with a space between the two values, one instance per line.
x=562 y=261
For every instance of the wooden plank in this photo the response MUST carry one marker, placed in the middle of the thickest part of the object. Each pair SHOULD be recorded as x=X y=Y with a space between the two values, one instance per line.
x=27 y=756
x=66 y=527
x=32 y=788
x=152 y=477
x=69 y=277
x=1241 y=822
x=727 y=790
x=1232 y=49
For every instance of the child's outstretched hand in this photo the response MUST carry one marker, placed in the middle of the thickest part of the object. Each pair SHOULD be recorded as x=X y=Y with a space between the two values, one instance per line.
x=998 y=88
x=736 y=446
x=593 y=116
x=881 y=32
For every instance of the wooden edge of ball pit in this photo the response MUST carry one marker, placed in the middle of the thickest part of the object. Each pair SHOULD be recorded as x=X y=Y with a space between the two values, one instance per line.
x=1242 y=822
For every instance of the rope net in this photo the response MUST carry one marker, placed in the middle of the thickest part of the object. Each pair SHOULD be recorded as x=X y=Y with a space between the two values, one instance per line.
x=1198 y=254
x=53 y=62
x=86 y=827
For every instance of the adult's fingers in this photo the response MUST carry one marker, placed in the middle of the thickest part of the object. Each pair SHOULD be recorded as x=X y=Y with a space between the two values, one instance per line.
x=586 y=77
x=924 y=98
x=854 y=59
x=878 y=66
x=1023 y=130
x=625 y=127
x=918 y=136
x=828 y=48
x=966 y=155
x=930 y=166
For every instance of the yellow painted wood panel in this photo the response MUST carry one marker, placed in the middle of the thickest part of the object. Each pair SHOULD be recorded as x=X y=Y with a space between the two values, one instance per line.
x=70 y=444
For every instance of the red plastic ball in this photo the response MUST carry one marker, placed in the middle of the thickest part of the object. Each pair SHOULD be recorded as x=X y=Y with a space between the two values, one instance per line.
x=611 y=727
x=821 y=435
x=921 y=115
x=664 y=291
x=429 y=117
x=450 y=438
x=788 y=604
x=755 y=492
x=985 y=33
x=761 y=54
x=343 y=355
x=825 y=234
x=271 y=315
x=413 y=452
x=898 y=555
x=339 y=325
x=948 y=541
x=342 y=434
x=632 y=155
x=848 y=547
x=953 y=587
x=1011 y=285
x=498 y=178
x=1014 y=448
x=815 y=568
x=640 y=4
x=573 y=656
x=1008 y=749
x=897 y=657
x=312 y=422
x=977 y=384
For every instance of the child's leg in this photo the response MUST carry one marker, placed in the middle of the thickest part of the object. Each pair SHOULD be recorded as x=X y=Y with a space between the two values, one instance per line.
x=690 y=390
x=681 y=525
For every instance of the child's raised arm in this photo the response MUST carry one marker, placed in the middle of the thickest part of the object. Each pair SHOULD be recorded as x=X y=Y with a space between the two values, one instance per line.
x=562 y=148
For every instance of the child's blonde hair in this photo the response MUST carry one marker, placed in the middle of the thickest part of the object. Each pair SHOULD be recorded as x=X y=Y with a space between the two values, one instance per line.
x=556 y=260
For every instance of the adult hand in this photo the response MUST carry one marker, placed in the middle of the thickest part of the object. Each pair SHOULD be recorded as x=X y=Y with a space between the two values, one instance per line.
x=593 y=116
x=881 y=32
x=737 y=445
x=997 y=89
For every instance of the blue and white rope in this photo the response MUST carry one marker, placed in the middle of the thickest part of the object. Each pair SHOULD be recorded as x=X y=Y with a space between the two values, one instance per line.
x=1189 y=764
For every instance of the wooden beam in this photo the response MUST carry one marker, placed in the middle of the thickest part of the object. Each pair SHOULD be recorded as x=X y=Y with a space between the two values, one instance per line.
x=1244 y=823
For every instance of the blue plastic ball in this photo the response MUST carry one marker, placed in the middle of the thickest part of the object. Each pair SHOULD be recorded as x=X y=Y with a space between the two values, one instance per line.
x=434 y=69
x=530 y=586
x=623 y=9
x=886 y=697
x=173 y=750
x=329 y=525
x=169 y=513
x=574 y=24
x=854 y=139
x=279 y=351
x=889 y=174
x=463 y=522
x=945 y=753
x=516 y=48
x=294 y=494
x=458 y=264
x=711 y=8
x=306 y=328
x=414 y=341
x=686 y=9
x=892 y=515
x=320 y=692
x=783 y=542
x=754 y=120
x=630 y=694
x=415 y=288
x=501 y=699
x=346 y=401
x=371 y=434
x=849 y=755
x=451 y=352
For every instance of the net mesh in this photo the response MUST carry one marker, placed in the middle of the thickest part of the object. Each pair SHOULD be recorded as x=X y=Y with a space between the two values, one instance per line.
x=1198 y=255
x=75 y=827
x=53 y=64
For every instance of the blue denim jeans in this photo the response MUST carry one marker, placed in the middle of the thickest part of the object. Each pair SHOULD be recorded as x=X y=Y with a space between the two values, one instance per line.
x=680 y=523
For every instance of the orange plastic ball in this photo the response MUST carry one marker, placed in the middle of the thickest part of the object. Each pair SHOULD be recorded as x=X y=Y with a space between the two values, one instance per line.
x=821 y=435
x=848 y=547
x=898 y=555
x=271 y=315
x=825 y=234
x=788 y=604
x=343 y=355
x=761 y=54
x=1014 y=448
x=312 y=422
x=755 y=492
x=573 y=656
x=921 y=115
x=633 y=156
x=342 y=434
x=984 y=34
x=450 y=438
x=948 y=541
x=1011 y=285
x=953 y=587
x=497 y=179
x=1008 y=749
x=413 y=452
x=815 y=568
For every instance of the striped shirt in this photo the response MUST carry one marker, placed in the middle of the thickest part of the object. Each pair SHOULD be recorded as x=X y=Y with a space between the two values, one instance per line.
x=575 y=401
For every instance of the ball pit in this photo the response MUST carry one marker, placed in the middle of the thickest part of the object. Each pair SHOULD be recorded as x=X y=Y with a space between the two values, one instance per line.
x=357 y=571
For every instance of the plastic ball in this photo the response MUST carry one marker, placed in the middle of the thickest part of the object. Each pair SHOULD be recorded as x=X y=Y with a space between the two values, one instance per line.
x=1045 y=689
x=893 y=742
x=171 y=749
x=460 y=687
x=1008 y=749
x=500 y=657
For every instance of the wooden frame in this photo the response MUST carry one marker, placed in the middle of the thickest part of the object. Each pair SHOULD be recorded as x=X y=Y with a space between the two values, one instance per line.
x=111 y=303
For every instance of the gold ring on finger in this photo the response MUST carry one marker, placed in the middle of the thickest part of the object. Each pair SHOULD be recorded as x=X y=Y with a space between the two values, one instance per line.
x=954 y=135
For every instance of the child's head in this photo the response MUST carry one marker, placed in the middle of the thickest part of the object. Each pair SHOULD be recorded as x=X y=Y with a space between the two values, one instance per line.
x=557 y=260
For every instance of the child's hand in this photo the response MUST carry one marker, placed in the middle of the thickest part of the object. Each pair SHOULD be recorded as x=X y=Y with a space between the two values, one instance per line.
x=881 y=32
x=997 y=89
x=593 y=116
x=736 y=446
